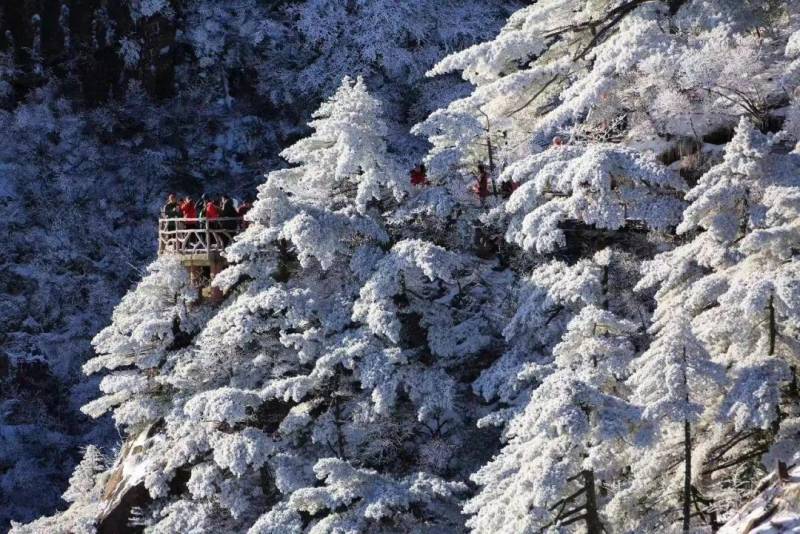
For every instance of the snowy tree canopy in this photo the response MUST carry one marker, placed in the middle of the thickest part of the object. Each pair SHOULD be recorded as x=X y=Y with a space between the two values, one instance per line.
x=580 y=315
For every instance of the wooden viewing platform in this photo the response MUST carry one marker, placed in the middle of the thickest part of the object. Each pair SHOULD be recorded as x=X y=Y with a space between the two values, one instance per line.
x=200 y=240
x=199 y=244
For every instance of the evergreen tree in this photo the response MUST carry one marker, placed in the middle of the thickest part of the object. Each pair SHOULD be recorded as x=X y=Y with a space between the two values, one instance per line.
x=566 y=440
x=328 y=365
x=730 y=286
x=678 y=385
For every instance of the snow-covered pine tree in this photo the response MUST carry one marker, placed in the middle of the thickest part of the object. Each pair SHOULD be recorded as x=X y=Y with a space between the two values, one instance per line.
x=84 y=495
x=289 y=344
x=375 y=395
x=568 y=438
x=545 y=303
x=677 y=385
x=155 y=319
x=322 y=394
x=728 y=204
x=734 y=281
x=584 y=192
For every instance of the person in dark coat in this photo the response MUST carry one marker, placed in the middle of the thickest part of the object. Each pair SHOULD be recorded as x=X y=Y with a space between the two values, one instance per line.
x=228 y=211
x=170 y=210
x=200 y=205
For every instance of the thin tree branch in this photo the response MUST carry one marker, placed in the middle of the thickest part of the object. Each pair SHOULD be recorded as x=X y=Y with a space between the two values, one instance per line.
x=534 y=97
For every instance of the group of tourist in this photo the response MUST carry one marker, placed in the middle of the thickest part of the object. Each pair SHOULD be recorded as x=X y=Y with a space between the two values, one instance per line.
x=222 y=214
x=206 y=208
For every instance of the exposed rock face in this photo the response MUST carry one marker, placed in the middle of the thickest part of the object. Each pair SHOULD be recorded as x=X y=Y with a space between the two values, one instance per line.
x=776 y=510
x=125 y=489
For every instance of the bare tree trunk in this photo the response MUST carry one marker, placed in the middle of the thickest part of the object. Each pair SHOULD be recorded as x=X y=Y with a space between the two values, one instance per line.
x=687 y=475
x=491 y=162
x=773 y=334
x=772 y=326
x=687 y=455
x=593 y=524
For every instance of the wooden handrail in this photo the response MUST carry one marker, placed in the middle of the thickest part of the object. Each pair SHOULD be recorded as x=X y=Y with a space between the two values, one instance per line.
x=181 y=219
x=186 y=236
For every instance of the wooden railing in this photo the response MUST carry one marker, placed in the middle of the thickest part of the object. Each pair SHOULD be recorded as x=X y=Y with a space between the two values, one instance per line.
x=196 y=236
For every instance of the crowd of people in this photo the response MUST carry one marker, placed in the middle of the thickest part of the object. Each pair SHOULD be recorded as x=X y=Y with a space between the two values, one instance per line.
x=204 y=208
x=223 y=213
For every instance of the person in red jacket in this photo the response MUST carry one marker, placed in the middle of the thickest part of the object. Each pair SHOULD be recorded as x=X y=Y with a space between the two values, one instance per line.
x=188 y=211
x=210 y=210
x=211 y=213
x=419 y=175
x=482 y=185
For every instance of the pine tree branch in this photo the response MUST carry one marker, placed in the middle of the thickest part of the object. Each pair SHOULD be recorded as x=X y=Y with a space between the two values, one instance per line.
x=534 y=97
x=736 y=461
x=567 y=499
x=581 y=517
x=730 y=444
x=559 y=520
x=611 y=19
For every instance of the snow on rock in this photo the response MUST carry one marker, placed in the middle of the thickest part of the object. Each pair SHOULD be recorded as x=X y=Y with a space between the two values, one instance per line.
x=775 y=511
x=125 y=488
